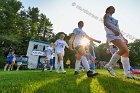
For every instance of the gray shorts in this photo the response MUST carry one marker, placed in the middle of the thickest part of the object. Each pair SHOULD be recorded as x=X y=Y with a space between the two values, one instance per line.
x=113 y=37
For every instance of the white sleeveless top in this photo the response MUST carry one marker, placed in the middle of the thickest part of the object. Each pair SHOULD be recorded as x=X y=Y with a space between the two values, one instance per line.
x=79 y=35
x=114 y=23
x=49 y=50
x=60 y=45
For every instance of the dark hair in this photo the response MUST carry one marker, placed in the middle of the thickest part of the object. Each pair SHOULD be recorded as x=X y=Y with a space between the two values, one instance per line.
x=12 y=50
x=107 y=10
x=80 y=22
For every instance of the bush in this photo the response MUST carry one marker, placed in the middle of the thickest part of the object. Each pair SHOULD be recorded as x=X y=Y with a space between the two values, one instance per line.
x=2 y=61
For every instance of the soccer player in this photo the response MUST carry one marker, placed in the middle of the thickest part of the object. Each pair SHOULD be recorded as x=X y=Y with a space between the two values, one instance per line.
x=19 y=62
x=92 y=55
x=49 y=50
x=126 y=64
x=10 y=59
x=75 y=42
x=59 y=50
x=114 y=36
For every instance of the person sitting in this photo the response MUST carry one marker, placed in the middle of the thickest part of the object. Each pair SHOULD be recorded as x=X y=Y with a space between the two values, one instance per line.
x=19 y=62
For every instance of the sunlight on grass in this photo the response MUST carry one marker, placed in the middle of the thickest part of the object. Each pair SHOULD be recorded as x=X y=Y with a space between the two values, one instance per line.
x=95 y=86
x=79 y=80
x=36 y=81
x=32 y=87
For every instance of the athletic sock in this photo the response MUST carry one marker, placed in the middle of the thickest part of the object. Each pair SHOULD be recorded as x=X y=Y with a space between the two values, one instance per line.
x=58 y=67
x=115 y=57
x=85 y=63
x=5 y=68
x=61 y=65
x=51 y=68
x=126 y=65
x=77 y=65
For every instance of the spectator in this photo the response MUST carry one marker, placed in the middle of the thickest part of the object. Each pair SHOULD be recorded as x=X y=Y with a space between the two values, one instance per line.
x=10 y=59
x=19 y=62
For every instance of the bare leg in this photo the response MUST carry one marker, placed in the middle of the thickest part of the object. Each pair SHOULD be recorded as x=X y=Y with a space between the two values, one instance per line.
x=5 y=67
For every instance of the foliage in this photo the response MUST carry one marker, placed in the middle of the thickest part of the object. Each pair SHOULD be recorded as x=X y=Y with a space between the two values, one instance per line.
x=101 y=54
x=135 y=52
x=18 y=26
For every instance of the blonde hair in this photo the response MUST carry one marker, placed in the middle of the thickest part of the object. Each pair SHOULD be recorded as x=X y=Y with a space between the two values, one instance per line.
x=62 y=35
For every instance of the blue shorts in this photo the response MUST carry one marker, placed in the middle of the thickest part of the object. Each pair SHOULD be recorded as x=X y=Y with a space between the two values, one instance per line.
x=92 y=65
x=51 y=62
x=9 y=62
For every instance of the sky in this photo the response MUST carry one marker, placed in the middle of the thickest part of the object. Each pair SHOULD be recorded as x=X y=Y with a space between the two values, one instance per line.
x=65 y=14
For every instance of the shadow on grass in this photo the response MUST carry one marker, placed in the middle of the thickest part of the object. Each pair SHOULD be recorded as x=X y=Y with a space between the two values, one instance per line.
x=51 y=82
x=23 y=82
x=67 y=84
x=43 y=82
x=118 y=85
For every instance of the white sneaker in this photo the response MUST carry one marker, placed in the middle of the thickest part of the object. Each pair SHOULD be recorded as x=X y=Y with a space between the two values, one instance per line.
x=83 y=70
x=93 y=71
x=57 y=71
x=110 y=70
x=129 y=75
x=63 y=71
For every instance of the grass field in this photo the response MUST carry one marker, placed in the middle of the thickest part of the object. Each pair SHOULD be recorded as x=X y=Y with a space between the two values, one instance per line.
x=36 y=81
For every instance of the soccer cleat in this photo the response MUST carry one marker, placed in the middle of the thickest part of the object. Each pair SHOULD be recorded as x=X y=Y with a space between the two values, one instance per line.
x=57 y=71
x=83 y=70
x=76 y=73
x=110 y=70
x=94 y=71
x=44 y=69
x=131 y=76
x=91 y=74
x=63 y=72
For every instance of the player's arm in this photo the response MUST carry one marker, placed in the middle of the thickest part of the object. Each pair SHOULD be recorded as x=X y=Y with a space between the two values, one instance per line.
x=91 y=39
x=107 y=47
x=91 y=56
x=107 y=44
x=52 y=51
x=8 y=55
x=45 y=51
x=72 y=37
x=66 y=45
x=55 y=44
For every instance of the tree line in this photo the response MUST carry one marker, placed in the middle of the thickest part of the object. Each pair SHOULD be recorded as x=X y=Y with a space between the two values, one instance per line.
x=18 y=25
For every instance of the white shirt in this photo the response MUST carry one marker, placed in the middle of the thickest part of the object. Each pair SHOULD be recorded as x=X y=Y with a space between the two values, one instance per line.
x=60 y=45
x=79 y=35
x=49 y=50
x=114 y=23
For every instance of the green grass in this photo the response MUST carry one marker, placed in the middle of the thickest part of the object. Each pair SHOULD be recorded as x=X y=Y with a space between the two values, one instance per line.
x=35 y=81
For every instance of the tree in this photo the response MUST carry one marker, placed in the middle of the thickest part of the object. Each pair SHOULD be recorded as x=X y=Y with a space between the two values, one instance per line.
x=101 y=54
x=8 y=20
x=134 y=52
x=45 y=28
x=18 y=26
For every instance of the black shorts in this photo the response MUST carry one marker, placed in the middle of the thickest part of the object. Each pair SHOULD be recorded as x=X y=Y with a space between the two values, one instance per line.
x=76 y=49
